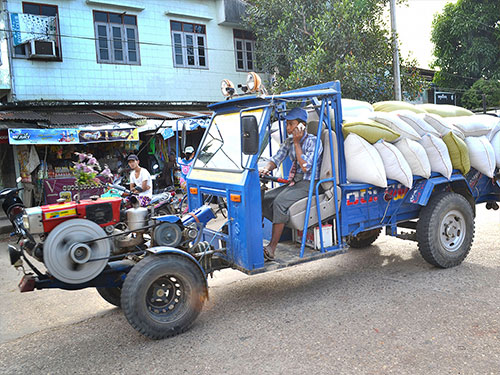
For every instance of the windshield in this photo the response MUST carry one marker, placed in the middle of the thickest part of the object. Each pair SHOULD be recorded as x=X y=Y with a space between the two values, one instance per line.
x=221 y=148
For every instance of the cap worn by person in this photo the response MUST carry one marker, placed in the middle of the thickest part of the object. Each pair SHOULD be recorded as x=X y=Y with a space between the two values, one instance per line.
x=189 y=150
x=297 y=114
x=132 y=157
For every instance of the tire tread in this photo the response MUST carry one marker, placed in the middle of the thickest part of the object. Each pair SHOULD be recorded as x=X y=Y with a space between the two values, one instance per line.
x=428 y=221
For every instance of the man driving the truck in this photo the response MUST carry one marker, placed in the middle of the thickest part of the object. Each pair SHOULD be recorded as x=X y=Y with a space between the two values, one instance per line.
x=299 y=146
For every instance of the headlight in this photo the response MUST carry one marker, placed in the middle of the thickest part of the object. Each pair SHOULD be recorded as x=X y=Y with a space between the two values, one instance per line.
x=32 y=220
x=26 y=222
x=227 y=88
x=253 y=82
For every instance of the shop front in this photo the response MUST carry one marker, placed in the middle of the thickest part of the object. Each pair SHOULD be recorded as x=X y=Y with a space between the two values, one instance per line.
x=7 y=173
x=46 y=158
x=162 y=140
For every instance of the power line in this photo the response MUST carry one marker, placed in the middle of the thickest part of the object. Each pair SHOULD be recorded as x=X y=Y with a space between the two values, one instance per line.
x=169 y=45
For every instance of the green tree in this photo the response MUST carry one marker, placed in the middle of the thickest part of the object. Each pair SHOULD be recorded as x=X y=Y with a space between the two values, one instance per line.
x=466 y=38
x=309 y=42
x=473 y=97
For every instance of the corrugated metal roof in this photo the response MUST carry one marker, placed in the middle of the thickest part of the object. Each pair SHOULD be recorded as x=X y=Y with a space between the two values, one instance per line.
x=155 y=115
x=171 y=115
x=9 y=125
x=115 y=115
x=22 y=115
x=75 y=118
x=185 y=114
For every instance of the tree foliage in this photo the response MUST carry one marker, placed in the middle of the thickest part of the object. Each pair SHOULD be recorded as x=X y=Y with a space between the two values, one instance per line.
x=473 y=97
x=310 y=42
x=466 y=38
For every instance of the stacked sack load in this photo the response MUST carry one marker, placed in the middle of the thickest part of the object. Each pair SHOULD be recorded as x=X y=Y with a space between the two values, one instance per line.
x=398 y=140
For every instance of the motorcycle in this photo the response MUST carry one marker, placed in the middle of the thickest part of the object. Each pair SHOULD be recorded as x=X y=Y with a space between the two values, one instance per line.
x=163 y=202
x=13 y=207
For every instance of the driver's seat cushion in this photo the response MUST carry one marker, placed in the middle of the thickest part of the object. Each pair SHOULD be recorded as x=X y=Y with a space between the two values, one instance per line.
x=297 y=210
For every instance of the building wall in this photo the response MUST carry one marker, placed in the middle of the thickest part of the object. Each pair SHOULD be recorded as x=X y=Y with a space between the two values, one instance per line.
x=80 y=77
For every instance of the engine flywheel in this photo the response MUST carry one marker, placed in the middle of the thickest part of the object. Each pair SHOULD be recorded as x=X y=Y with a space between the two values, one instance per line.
x=68 y=255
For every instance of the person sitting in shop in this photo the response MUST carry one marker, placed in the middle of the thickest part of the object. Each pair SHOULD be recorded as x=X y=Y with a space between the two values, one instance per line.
x=140 y=181
x=186 y=165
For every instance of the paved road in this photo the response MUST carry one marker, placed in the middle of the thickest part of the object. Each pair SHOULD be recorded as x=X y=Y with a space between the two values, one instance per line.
x=381 y=310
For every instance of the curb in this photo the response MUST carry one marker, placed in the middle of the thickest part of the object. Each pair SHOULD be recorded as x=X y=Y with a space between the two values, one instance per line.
x=5 y=227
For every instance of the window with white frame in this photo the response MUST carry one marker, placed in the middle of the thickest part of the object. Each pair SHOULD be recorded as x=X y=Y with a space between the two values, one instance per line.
x=244 y=48
x=117 y=38
x=189 y=44
x=46 y=10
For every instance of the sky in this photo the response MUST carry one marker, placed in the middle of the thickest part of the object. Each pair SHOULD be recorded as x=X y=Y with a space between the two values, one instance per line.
x=414 y=22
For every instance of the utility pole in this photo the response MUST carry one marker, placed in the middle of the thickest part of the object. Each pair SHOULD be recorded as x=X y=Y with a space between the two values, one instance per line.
x=395 y=59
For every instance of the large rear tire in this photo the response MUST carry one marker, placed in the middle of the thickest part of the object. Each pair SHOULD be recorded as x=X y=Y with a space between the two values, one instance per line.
x=364 y=239
x=163 y=295
x=445 y=230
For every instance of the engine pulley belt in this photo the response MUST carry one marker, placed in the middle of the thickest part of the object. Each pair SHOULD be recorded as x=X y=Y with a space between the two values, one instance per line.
x=118 y=234
x=120 y=256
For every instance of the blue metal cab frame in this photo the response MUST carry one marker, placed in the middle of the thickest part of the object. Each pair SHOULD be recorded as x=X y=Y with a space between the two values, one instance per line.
x=361 y=207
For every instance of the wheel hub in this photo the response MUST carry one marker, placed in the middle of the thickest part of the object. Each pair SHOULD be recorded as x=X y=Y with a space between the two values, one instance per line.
x=164 y=295
x=452 y=233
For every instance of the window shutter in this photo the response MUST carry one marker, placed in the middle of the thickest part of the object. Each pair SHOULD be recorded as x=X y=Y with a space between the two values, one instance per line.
x=131 y=44
x=177 y=49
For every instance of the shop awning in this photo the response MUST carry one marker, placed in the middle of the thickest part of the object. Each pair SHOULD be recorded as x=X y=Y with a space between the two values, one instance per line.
x=168 y=127
x=82 y=135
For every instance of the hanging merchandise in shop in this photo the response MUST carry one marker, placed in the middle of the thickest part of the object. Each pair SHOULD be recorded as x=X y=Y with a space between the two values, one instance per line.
x=189 y=124
x=4 y=136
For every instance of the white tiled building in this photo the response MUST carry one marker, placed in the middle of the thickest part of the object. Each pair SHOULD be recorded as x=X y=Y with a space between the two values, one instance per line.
x=125 y=51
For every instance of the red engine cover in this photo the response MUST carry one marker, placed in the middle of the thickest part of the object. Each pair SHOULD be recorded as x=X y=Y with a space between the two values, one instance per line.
x=103 y=211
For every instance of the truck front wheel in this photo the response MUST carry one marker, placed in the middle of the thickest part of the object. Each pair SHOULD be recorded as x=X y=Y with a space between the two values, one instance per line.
x=162 y=295
x=445 y=230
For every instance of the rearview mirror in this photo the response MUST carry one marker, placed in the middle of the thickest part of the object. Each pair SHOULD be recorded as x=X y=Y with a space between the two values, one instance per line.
x=249 y=135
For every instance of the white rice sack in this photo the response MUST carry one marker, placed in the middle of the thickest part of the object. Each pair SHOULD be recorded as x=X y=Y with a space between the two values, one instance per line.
x=352 y=108
x=363 y=162
x=495 y=143
x=416 y=122
x=395 y=123
x=482 y=155
x=437 y=152
x=443 y=126
x=395 y=164
x=473 y=126
x=496 y=125
x=415 y=156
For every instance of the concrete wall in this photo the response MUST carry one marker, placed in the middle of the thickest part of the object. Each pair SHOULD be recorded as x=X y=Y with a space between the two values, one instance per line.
x=80 y=77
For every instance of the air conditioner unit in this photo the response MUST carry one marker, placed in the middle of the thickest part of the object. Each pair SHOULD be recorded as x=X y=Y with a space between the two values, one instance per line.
x=41 y=49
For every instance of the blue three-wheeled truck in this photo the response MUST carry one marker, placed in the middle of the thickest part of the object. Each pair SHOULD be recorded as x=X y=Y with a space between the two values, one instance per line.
x=162 y=287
